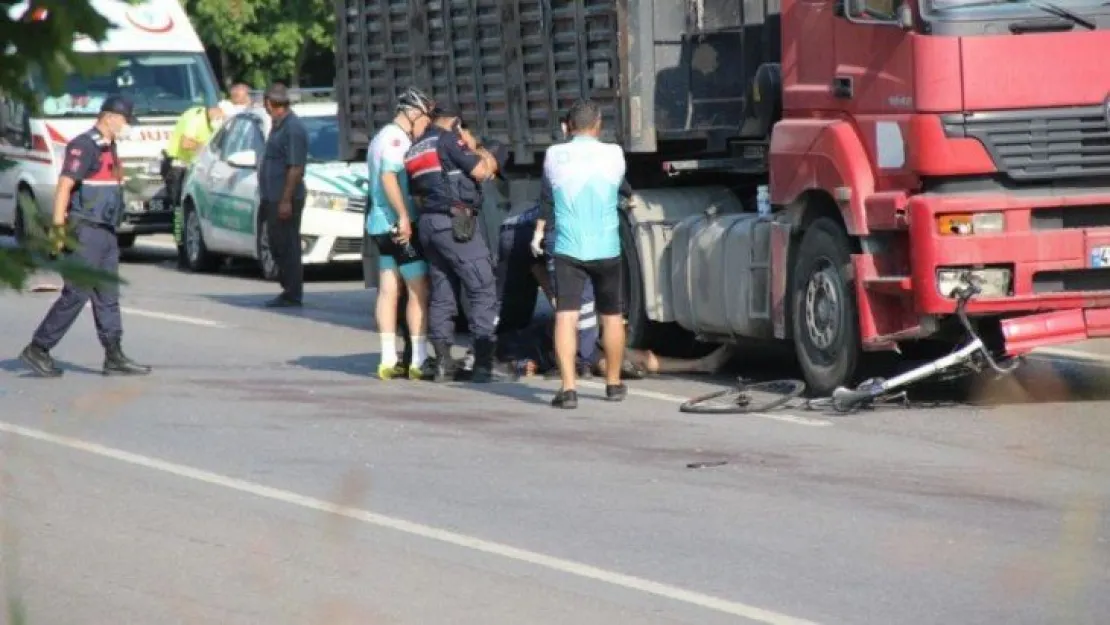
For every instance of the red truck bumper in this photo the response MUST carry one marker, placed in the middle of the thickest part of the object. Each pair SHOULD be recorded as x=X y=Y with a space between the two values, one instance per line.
x=1057 y=293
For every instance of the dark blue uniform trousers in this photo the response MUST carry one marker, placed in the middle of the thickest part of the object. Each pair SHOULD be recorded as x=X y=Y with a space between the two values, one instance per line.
x=453 y=265
x=517 y=284
x=98 y=248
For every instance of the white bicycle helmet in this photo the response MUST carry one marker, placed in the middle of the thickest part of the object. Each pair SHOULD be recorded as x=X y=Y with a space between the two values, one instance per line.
x=413 y=98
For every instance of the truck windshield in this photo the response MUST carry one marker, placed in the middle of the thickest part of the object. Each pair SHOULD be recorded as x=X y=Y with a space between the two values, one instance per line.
x=161 y=84
x=323 y=137
x=943 y=5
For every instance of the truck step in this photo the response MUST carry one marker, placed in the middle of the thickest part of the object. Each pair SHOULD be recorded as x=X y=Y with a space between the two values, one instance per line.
x=889 y=285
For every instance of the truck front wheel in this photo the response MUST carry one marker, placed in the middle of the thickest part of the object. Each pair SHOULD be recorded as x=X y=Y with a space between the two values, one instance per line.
x=824 y=317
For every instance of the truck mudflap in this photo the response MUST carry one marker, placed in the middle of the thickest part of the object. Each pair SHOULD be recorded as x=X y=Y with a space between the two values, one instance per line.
x=1028 y=332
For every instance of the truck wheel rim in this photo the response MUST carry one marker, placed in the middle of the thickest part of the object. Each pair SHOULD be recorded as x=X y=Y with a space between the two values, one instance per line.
x=192 y=236
x=822 y=308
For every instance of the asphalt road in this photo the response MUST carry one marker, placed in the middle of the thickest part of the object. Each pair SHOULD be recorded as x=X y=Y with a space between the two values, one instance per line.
x=262 y=476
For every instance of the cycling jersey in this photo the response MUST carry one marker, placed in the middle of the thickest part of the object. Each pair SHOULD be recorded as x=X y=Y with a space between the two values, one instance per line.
x=584 y=177
x=387 y=154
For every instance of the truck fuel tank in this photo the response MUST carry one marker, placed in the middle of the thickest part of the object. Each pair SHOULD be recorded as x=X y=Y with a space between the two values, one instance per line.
x=720 y=274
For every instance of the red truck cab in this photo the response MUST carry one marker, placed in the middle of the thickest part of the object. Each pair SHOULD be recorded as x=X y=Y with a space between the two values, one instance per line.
x=949 y=138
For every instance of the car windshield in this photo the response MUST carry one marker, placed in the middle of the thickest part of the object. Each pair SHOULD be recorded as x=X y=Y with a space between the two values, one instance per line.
x=323 y=138
x=160 y=84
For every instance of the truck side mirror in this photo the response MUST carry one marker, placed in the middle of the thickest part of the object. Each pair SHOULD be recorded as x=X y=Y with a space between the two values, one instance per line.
x=905 y=15
x=875 y=10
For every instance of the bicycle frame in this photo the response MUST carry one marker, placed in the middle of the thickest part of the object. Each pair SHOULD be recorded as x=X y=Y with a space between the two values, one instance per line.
x=844 y=399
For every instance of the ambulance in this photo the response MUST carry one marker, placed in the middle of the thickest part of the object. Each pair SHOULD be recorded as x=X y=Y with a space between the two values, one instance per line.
x=160 y=65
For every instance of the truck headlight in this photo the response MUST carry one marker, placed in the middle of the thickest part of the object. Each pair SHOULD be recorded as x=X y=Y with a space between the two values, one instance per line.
x=977 y=223
x=326 y=201
x=994 y=281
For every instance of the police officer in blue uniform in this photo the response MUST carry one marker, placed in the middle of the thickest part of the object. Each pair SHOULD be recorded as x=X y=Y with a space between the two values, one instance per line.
x=89 y=198
x=446 y=170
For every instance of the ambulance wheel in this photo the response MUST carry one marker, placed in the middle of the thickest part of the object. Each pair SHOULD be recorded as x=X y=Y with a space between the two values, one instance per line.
x=25 y=200
x=267 y=264
x=824 y=317
x=197 y=257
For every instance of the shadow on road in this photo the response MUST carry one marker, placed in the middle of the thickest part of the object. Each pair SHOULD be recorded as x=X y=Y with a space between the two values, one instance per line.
x=366 y=365
x=14 y=365
x=243 y=269
x=350 y=309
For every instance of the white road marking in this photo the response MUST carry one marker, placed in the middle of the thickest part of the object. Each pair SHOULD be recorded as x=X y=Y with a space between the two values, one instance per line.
x=675 y=399
x=568 y=567
x=152 y=314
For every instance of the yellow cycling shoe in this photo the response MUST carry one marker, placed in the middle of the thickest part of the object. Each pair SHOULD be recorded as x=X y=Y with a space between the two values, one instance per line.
x=389 y=372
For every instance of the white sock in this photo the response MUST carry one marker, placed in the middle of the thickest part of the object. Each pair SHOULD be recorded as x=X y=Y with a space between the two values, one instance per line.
x=389 y=349
x=419 y=350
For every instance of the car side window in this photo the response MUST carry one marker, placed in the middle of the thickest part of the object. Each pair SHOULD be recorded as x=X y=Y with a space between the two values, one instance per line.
x=219 y=140
x=257 y=140
x=238 y=137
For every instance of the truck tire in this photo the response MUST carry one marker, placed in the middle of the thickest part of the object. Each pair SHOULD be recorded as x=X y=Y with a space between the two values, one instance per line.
x=639 y=328
x=824 y=315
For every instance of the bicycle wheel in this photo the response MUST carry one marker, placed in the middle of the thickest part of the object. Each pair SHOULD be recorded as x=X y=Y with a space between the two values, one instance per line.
x=745 y=398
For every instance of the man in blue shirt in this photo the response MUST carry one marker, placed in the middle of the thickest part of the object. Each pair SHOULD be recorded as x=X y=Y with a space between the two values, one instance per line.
x=582 y=181
x=282 y=193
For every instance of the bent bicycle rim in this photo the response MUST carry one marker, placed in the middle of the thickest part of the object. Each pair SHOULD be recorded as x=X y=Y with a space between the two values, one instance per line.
x=746 y=398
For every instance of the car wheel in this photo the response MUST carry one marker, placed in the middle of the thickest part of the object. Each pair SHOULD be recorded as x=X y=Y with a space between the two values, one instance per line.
x=267 y=265
x=197 y=257
x=825 y=321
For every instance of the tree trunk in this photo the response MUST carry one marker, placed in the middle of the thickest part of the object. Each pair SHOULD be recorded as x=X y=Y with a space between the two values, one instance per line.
x=224 y=73
x=298 y=64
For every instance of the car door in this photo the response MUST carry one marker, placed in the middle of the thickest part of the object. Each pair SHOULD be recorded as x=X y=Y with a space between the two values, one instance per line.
x=198 y=185
x=244 y=188
x=224 y=213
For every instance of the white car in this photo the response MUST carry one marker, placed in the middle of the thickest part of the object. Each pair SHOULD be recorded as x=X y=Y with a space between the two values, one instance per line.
x=220 y=200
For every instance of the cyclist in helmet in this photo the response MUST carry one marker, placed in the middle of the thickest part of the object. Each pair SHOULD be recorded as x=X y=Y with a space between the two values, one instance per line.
x=390 y=226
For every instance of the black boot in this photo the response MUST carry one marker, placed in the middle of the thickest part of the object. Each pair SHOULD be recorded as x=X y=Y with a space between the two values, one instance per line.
x=39 y=360
x=483 y=361
x=444 y=367
x=117 y=363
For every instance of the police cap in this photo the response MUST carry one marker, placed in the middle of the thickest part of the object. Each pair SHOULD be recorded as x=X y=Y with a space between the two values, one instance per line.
x=120 y=106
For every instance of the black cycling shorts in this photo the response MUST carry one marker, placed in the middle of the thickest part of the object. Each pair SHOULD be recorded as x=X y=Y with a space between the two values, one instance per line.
x=605 y=274
x=388 y=247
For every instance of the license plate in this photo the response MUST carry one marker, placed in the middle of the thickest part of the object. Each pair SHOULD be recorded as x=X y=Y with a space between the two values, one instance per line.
x=157 y=205
x=1100 y=256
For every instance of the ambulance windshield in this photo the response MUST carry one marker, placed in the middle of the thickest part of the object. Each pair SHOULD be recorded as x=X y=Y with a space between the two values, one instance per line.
x=160 y=84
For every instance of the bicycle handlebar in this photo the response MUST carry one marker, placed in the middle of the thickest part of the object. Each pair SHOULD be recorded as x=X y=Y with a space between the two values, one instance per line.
x=963 y=295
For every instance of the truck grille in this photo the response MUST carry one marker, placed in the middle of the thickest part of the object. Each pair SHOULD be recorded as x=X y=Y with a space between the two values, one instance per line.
x=1041 y=144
